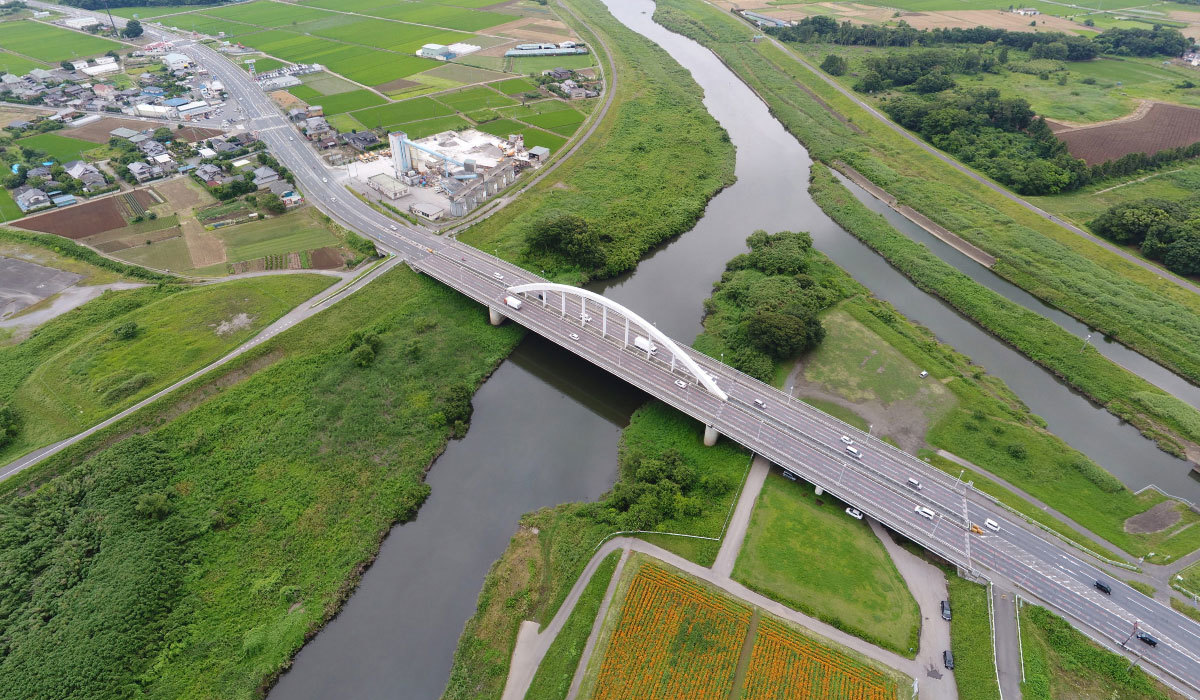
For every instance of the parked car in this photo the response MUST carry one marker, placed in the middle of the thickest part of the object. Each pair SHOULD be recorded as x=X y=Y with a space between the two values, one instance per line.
x=948 y=659
x=945 y=610
x=854 y=513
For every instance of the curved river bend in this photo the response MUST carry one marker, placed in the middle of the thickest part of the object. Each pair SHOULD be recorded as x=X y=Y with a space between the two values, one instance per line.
x=546 y=425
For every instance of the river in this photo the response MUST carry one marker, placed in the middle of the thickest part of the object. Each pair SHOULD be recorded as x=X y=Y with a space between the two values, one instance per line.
x=546 y=425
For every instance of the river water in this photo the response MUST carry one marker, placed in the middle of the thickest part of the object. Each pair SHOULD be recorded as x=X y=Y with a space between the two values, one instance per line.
x=546 y=425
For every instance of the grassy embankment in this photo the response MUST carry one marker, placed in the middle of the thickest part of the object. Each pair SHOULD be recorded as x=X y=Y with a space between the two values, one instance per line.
x=77 y=370
x=1120 y=299
x=190 y=551
x=64 y=248
x=971 y=640
x=1078 y=487
x=1060 y=662
x=843 y=577
x=644 y=176
x=553 y=678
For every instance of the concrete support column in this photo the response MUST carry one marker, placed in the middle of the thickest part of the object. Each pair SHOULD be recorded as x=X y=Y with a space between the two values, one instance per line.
x=710 y=436
x=819 y=490
x=495 y=317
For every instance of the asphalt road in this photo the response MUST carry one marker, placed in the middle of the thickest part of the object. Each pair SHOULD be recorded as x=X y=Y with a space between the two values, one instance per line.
x=791 y=434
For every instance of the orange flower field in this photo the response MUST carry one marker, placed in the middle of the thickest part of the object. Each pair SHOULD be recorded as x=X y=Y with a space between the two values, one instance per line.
x=785 y=664
x=675 y=639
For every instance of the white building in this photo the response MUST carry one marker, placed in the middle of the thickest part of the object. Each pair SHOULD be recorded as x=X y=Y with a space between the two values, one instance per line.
x=100 y=69
x=158 y=111
x=437 y=51
x=176 y=61
x=80 y=22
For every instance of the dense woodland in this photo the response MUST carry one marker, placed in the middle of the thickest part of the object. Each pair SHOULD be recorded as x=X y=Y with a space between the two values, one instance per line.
x=1165 y=231
x=1158 y=41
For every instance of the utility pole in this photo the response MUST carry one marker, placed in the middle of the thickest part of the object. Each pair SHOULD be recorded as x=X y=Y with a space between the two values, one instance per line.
x=1132 y=632
x=111 y=21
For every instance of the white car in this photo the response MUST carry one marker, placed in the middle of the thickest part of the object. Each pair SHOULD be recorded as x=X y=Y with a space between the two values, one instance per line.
x=846 y=439
x=924 y=512
x=324 y=179
x=239 y=99
x=991 y=525
x=585 y=318
x=680 y=383
x=854 y=513
x=291 y=138
x=393 y=227
x=333 y=199
x=574 y=336
x=497 y=275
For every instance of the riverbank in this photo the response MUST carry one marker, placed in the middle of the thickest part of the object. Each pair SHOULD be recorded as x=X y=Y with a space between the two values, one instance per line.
x=1117 y=298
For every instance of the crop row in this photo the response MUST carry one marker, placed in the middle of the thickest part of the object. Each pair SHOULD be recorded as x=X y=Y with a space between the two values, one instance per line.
x=787 y=665
x=675 y=639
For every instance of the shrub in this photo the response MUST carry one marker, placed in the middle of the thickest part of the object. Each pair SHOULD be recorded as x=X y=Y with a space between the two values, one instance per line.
x=126 y=330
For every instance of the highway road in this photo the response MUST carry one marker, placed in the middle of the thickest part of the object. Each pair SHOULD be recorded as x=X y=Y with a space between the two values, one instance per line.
x=790 y=433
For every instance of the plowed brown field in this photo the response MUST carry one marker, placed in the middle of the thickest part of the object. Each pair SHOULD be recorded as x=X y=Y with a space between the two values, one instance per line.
x=80 y=220
x=1160 y=127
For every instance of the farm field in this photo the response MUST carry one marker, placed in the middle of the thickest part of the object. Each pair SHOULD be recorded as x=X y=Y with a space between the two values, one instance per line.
x=170 y=254
x=92 y=374
x=1173 y=182
x=536 y=64
x=461 y=74
x=18 y=65
x=1163 y=126
x=61 y=148
x=292 y=232
x=475 y=98
x=514 y=86
x=80 y=220
x=401 y=112
x=670 y=636
x=51 y=44
x=263 y=64
x=150 y=12
x=8 y=208
x=845 y=577
x=429 y=127
x=342 y=102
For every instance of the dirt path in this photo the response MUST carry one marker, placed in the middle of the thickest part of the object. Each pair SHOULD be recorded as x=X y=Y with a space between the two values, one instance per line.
x=735 y=534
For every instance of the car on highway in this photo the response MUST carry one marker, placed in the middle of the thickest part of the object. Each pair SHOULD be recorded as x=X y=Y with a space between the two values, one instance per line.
x=585 y=318
x=680 y=383
x=914 y=483
x=324 y=179
x=393 y=227
x=1103 y=587
x=758 y=403
x=854 y=513
x=291 y=138
x=846 y=439
x=573 y=336
x=991 y=525
x=853 y=452
x=333 y=199
x=497 y=275
x=1148 y=639
x=923 y=512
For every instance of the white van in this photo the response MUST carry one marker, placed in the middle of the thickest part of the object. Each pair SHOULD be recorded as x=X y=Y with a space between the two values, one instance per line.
x=644 y=344
x=853 y=452
x=924 y=512
x=914 y=483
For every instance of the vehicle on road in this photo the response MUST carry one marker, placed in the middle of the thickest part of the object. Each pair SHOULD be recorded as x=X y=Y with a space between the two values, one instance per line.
x=324 y=179
x=573 y=336
x=923 y=374
x=497 y=275
x=991 y=525
x=585 y=318
x=914 y=483
x=333 y=199
x=945 y=610
x=393 y=227
x=644 y=345
x=788 y=475
x=291 y=138
x=846 y=439
x=1147 y=639
x=1103 y=587
x=680 y=383
x=853 y=452
x=513 y=302
x=923 y=512
x=948 y=660
x=758 y=403
x=854 y=513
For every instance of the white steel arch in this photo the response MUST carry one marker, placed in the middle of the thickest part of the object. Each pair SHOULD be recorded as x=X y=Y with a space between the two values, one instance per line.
x=703 y=377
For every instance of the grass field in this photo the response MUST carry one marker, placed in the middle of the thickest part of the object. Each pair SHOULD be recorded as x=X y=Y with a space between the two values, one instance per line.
x=280 y=475
x=553 y=678
x=843 y=577
x=475 y=98
x=292 y=232
x=971 y=640
x=61 y=148
x=264 y=64
x=171 y=254
x=8 y=208
x=534 y=65
x=18 y=65
x=149 y=12
x=345 y=101
x=1173 y=182
x=514 y=86
x=401 y=112
x=428 y=127
x=74 y=372
x=326 y=83
x=345 y=122
x=51 y=44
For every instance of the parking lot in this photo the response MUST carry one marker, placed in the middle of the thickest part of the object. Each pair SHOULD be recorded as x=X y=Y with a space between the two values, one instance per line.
x=24 y=284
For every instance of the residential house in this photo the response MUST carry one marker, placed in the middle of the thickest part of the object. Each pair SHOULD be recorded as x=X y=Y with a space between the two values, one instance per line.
x=559 y=73
x=143 y=172
x=360 y=140
x=123 y=133
x=38 y=171
x=107 y=92
x=30 y=198
x=42 y=75
x=286 y=192
x=296 y=114
x=211 y=175
x=86 y=173
x=316 y=128
x=164 y=161
x=569 y=85
x=315 y=111
x=151 y=147
x=221 y=146
x=176 y=61
x=264 y=175
x=79 y=65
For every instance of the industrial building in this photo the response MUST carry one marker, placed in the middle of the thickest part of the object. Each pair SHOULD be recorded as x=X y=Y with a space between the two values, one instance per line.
x=566 y=48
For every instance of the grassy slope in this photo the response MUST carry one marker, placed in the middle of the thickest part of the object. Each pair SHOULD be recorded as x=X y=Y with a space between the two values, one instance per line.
x=72 y=373
x=844 y=576
x=553 y=678
x=644 y=176
x=971 y=640
x=275 y=490
x=1120 y=299
x=1061 y=662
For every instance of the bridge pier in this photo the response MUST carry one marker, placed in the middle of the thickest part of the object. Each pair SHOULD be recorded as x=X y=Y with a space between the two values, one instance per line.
x=495 y=317
x=710 y=436
x=819 y=490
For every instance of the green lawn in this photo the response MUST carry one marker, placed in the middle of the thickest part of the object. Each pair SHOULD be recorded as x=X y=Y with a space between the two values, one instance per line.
x=51 y=44
x=344 y=101
x=292 y=232
x=844 y=577
x=61 y=148
x=235 y=522
x=553 y=678
x=401 y=112
x=971 y=640
x=74 y=373
x=18 y=65
x=534 y=65
x=474 y=98
x=8 y=208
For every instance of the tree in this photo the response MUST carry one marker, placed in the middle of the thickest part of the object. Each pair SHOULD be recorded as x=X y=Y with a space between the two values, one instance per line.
x=362 y=356
x=1183 y=256
x=783 y=335
x=126 y=330
x=568 y=236
x=8 y=424
x=162 y=133
x=834 y=65
x=133 y=29
x=271 y=203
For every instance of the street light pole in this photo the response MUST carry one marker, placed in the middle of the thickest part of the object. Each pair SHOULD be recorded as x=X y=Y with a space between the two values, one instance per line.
x=1085 y=342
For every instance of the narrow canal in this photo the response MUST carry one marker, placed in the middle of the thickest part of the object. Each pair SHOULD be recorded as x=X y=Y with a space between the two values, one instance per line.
x=546 y=426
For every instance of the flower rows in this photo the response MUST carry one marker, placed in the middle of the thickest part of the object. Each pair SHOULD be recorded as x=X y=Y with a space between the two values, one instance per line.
x=675 y=639
x=784 y=664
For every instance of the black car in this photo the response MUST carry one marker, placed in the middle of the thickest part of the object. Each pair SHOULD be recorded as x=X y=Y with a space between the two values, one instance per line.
x=945 y=610
x=1103 y=587
x=1147 y=639
x=948 y=659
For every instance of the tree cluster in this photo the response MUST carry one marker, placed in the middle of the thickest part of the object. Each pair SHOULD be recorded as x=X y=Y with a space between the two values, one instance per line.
x=1165 y=231
x=1159 y=41
x=996 y=135
x=654 y=488
x=568 y=237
